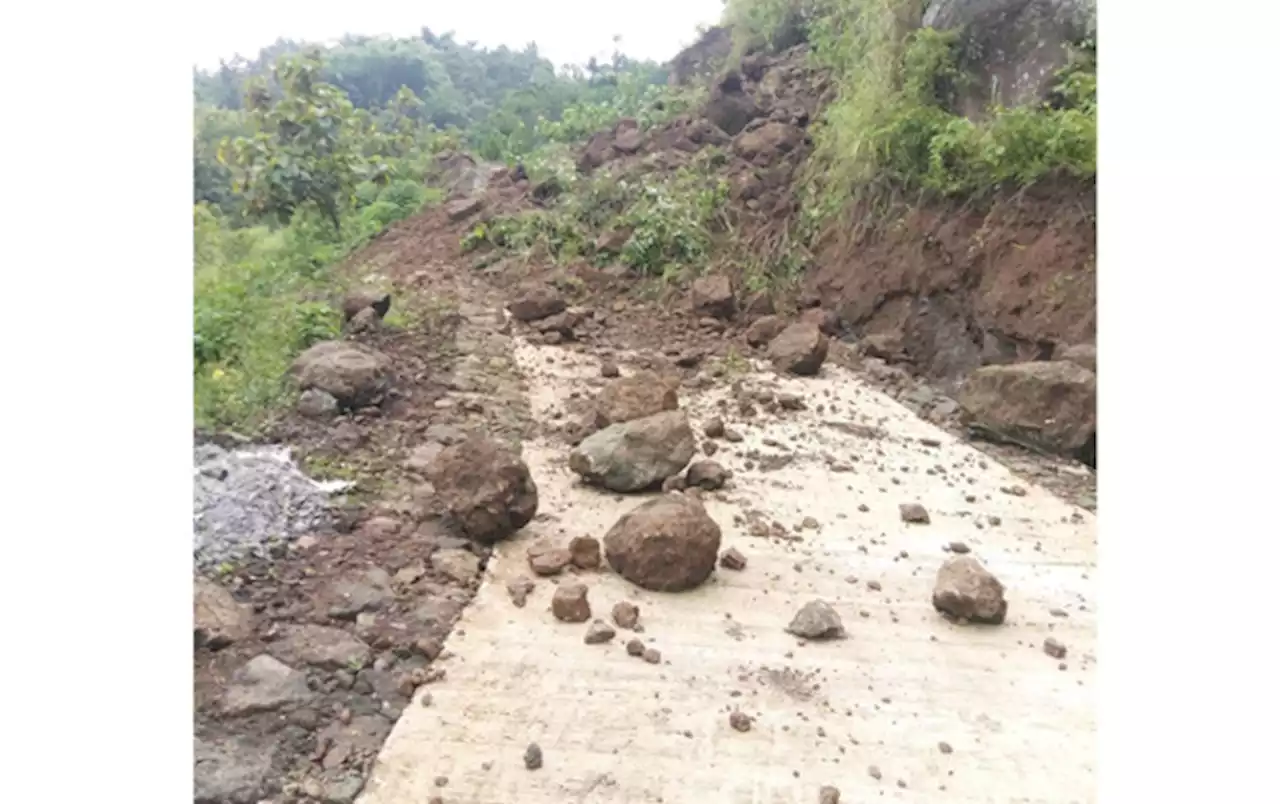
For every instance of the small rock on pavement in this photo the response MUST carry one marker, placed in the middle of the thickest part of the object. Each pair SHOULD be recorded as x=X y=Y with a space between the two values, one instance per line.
x=800 y=349
x=816 y=620
x=219 y=619
x=264 y=683
x=626 y=615
x=713 y=297
x=486 y=487
x=966 y=590
x=585 y=552
x=533 y=757
x=1054 y=648
x=536 y=302
x=546 y=560
x=913 y=513
x=707 y=475
x=569 y=603
x=599 y=632
x=635 y=647
x=739 y=721
x=829 y=795
x=519 y=589
x=733 y=559
x=714 y=428
x=609 y=369
x=669 y=544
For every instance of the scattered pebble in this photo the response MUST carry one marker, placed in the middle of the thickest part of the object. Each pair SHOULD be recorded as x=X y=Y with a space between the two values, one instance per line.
x=533 y=757
x=652 y=655
x=569 y=603
x=829 y=795
x=635 y=648
x=816 y=620
x=519 y=589
x=958 y=547
x=599 y=632
x=913 y=513
x=584 y=552
x=626 y=615
x=739 y=721
x=874 y=772
x=733 y=559
x=944 y=747
x=1054 y=648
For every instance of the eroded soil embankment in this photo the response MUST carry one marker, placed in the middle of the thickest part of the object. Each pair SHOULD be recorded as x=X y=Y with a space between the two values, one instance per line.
x=956 y=286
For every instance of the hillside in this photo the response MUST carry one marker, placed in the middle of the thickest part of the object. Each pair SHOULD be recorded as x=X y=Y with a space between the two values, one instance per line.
x=485 y=301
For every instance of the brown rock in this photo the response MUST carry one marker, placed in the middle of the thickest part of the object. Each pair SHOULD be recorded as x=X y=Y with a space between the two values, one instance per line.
x=913 y=512
x=535 y=302
x=829 y=795
x=827 y=322
x=317 y=645
x=635 y=397
x=1054 y=648
x=799 y=349
x=739 y=721
x=668 y=544
x=585 y=551
x=652 y=655
x=733 y=559
x=355 y=376
x=764 y=330
x=966 y=590
x=463 y=208
x=886 y=346
x=569 y=603
x=609 y=369
x=599 y=632
x=714 y=428
x=357 y=301
x=458 y=564
x=628 y=141
x=626 y=614
x=707 y=475
x=765 y=144
x=219 y=619
x=485 y=487
x=519 y=589
x=635 y=647
x=713 y=297
x=759 y=303
x=816 y=620
x=545 y=560
x=1051 y=404
x=264 y=683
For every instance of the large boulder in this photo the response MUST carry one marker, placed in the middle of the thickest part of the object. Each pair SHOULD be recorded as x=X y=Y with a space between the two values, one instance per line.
x=669 y=544
x=766 y=144
x=799 y=349
x=1013 y=47
x=485 y=487
x=966 y=590
x=354 y=375
x=633 y=397
x=1050 y=404
x=731 y=111
x=712 y=297
x=636 y=455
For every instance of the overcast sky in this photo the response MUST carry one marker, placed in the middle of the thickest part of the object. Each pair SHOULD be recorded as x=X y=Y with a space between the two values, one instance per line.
x=567 y=31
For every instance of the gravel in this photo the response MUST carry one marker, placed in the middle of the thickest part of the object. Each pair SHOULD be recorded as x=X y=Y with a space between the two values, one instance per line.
x=245 y=498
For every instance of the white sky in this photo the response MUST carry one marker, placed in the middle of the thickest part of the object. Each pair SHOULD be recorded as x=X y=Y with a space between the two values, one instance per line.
x=567 y=31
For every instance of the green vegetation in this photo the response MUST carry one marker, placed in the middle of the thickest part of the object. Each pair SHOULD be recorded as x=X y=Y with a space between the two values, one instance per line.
x=304 y=154
x=892 y=125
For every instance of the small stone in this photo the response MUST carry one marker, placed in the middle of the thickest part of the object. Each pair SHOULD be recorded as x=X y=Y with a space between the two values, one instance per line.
x=599 y=632
x=707 y=475
x=740 y=721
x=609 y=369
x=652 y=655
x=585 y=552
x=569 y=603
x=714 y=428
x=816 y=620
x=829 y=795
x=959 y=548
x=1054 y=648
x=519 y=589
x=966 y=590
x=626 y=615
x=459 y=565
x=944 y=747
x=635 y=647
x=732 y=436
x=733 y=559
x=913 y=513
x=546 y=561
x=533 y=757
x=874 y=772
x=809 y=523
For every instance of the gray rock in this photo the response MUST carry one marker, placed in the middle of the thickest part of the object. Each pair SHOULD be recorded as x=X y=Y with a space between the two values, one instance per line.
x=458 y=564
x=354 y=375
x=816 y=620
x=344 y=789
x=320 y=646
x=966 y=590
x=800 y=349
x=369 y=590
x=219 y=619
x=1051 y=404
x=316 y=404
x=263 y=684
x=230 y=770
x=636 y=455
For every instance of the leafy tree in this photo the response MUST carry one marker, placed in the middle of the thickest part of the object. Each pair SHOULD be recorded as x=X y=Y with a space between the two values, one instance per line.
x=305 y=148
